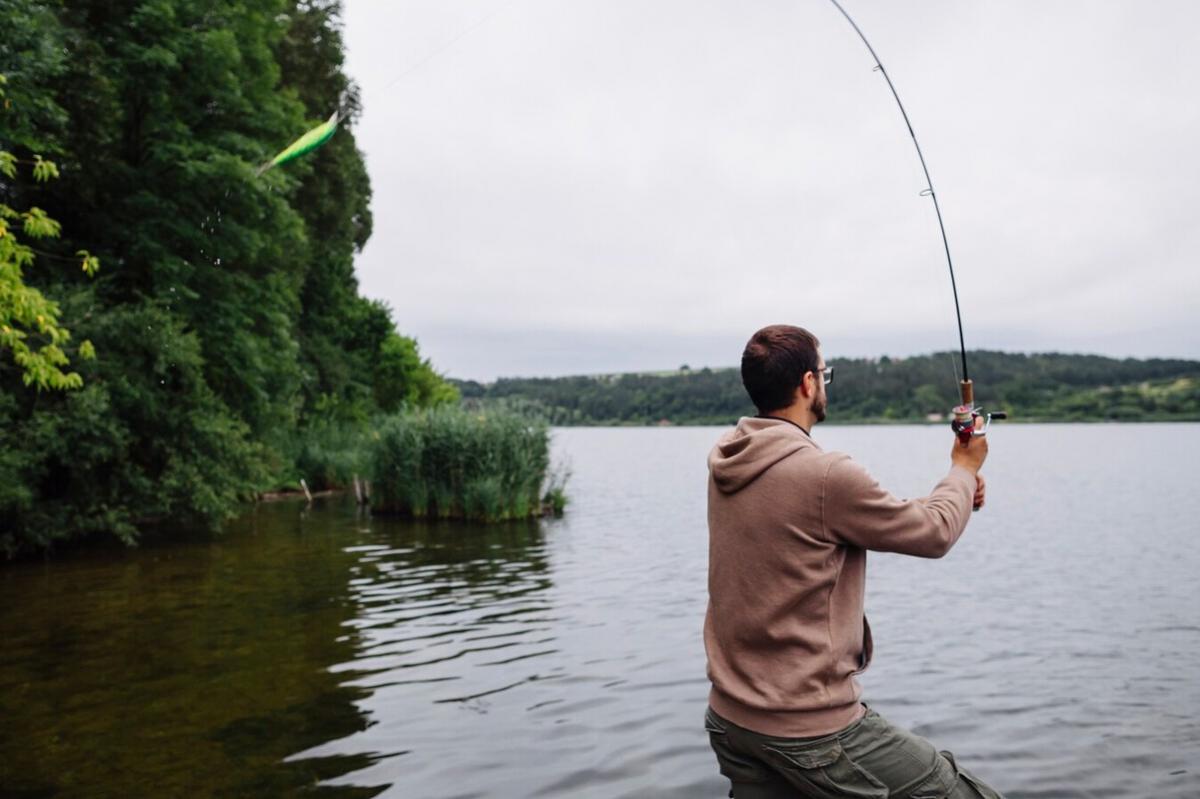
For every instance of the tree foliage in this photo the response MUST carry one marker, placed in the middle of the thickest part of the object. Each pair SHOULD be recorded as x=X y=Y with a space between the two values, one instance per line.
x=227 y=322
x=31 y=330
x=1043 y=387
x=30 y=327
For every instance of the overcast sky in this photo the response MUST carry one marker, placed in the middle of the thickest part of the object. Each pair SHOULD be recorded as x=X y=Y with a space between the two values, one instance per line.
x=624 y=185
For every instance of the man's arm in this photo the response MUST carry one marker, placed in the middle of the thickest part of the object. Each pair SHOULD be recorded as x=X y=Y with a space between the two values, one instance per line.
x=856 y=510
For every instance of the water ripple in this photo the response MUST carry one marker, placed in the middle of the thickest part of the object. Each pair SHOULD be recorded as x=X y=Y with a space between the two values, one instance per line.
x=1054 y=650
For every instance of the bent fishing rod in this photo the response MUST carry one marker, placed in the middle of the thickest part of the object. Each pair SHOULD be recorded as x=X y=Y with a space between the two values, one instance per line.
x=962 y=417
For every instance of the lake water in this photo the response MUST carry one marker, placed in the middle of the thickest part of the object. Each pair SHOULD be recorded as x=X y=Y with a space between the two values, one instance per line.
x=1055 y=650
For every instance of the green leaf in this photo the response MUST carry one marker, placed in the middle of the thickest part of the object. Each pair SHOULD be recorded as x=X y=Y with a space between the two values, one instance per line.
x=43 y=170
x=90 y=264
x=40 y=226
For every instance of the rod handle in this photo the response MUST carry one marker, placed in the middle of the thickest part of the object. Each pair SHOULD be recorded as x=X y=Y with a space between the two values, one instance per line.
x=967 y=389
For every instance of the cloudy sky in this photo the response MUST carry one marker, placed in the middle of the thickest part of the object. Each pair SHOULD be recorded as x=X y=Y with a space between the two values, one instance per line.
x=625 y=185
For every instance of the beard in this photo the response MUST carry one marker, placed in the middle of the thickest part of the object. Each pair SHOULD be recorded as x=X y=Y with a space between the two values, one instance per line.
x=818 y=406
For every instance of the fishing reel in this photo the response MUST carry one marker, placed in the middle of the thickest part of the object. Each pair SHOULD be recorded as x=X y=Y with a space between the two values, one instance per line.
x=962 y=418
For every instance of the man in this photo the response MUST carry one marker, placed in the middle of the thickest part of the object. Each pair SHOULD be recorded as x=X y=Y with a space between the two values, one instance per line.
x=789 y=527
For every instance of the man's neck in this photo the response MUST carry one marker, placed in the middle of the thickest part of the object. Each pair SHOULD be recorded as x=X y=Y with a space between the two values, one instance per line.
x=800 y=416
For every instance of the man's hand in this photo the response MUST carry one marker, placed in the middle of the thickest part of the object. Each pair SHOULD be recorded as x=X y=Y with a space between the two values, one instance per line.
x=980 y=487
x=973 y=454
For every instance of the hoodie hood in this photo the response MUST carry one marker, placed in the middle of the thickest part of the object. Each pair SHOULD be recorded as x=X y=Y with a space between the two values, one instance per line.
x=754 y=446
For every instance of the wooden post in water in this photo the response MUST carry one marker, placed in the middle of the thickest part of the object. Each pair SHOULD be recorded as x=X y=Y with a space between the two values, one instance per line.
x=307 y=493
x=358 y=492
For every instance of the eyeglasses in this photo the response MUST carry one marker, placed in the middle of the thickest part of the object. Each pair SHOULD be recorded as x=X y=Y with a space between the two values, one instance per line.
x=826 y=374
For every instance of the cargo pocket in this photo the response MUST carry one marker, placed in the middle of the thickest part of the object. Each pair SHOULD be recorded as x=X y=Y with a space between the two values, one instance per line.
x=978 y=788
x=734 y=765
x=939 y=784
x=824 y=770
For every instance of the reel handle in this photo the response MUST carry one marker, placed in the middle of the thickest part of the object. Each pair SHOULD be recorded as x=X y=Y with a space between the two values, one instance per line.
x=962 y=418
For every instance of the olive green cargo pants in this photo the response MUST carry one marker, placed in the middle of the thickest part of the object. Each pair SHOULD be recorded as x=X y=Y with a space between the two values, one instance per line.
x=870 y=759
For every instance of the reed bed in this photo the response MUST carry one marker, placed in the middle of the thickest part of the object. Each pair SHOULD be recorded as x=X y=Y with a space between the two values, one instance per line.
x=332 y=455
x=455 y=462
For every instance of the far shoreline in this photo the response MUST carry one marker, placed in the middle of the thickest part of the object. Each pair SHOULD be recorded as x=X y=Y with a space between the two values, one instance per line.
x=874 y=423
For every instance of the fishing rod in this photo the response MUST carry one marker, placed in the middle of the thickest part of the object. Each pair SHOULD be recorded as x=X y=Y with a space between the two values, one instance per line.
x=962 y=417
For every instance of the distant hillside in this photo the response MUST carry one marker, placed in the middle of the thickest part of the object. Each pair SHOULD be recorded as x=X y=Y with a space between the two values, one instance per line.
x=1039 y=387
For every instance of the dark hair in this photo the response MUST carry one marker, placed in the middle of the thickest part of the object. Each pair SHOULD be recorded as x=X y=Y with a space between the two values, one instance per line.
x=774 y=363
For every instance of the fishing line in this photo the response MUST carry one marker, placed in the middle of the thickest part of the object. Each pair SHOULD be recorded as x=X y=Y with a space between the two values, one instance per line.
x=927 y=191
x=448 y=44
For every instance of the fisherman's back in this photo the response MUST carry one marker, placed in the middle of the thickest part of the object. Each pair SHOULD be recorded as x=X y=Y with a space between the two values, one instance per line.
x=785 y=630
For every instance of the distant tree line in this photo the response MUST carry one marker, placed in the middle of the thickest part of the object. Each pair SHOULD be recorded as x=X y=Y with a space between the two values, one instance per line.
x=221 y=327
x=1039 y=387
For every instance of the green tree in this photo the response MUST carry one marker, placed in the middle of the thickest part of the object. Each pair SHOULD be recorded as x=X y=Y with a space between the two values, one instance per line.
x=339 y=331
x=403 y=379
x=230 y=317
x=31 y=328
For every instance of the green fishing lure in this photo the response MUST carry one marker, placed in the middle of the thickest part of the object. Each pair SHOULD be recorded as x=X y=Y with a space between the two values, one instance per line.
x=305 y=144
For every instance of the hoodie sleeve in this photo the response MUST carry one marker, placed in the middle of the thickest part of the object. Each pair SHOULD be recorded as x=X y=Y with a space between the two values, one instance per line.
x=855 y=510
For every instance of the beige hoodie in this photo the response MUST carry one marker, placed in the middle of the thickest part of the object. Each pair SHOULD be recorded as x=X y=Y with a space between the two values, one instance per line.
x=789 y=525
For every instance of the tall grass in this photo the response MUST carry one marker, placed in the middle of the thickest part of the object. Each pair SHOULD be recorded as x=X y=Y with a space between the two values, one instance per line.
x=455 y=462
x=330 y=455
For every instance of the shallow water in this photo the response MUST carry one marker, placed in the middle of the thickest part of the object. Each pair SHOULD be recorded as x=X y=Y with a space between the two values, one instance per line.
x=1055 y=650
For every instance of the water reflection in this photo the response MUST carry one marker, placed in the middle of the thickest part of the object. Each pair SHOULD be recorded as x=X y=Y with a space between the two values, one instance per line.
x=259 y=662
x=452 y=598
x=559 y=659
x=449 y=615
x=190 y=669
